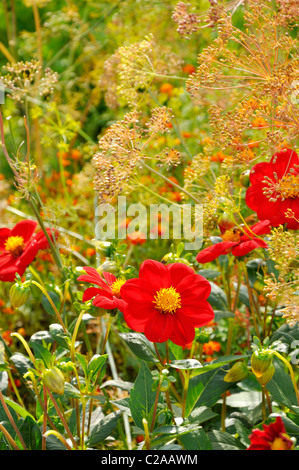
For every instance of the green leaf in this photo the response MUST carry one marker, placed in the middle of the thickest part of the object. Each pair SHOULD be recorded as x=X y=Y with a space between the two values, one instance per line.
x=209 y=273
x=103 y=429
x=31 y=434
x=140 y=346
x=281 y=388
x=41 y=352
x=46 y=304
x=217 y=297
x=196 y=440
x=59 y=335
x=142 y=396
x=18 y=408
x=95 y=365
x=225 y=441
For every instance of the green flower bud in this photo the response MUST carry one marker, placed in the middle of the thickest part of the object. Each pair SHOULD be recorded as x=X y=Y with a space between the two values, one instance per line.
x=54 y=380
x=108 y=266
x=169 y=258
x=237 y=373
x=103 y=248
x=261 y=361
x=225 y=222
x=203 y=337
x=244 y=179
x=19 y=294
x=267 y=376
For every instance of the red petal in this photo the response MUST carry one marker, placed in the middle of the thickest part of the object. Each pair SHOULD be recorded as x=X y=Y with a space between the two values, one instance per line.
x=155 y=274
x=283 y=161
x=134 y=291
x=212 y=252
x=184 y=331
x=110 y=278
x=178 y=271
x=192 y=287
x=93 y=277
x=247 y=246
x=159 y=327
x=90 y=293
x=25 y=229
x=200 y=314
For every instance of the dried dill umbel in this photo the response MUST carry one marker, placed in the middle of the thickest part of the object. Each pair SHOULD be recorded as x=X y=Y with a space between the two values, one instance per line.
x=130 y=71
x=123 y=148
x=27 y=78
x=258 y=63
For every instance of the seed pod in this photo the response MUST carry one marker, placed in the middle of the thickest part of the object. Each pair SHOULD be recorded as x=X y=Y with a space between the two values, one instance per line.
x=19 y=294
x=237 y=373
x=54 y=380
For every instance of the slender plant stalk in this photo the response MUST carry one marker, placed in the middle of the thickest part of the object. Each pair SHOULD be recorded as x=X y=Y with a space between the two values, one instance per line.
x=11 y=420
x=9 y=438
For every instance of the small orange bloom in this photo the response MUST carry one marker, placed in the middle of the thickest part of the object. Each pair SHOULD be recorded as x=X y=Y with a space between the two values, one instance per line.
x=7 y=338
x=189 y=69
x=166 y=88
x=137 y=238
x=211 y=347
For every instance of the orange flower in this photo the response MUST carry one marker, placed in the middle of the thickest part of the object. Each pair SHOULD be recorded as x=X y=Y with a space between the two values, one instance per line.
x=166 y=88
x=7 y=338
x=189 y=69
x=137 y=238
x=211 y=347
x=259 y=122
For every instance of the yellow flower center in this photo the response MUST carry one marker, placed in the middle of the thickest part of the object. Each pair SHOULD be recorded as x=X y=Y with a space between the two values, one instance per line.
x=15 y=245
x=286 y=187
x=280 y=444
x=116 y=286
x=289 y=186
x=233 y=235
x=167 y=300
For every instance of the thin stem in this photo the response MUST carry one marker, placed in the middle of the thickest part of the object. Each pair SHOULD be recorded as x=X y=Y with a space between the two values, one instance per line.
x=106 y=334
x=51 y=303
x=9 y=438
x=60 y=414
x=11 y=420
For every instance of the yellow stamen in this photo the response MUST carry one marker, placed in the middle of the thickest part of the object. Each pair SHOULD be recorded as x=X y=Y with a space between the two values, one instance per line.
x=15 y=245
x=289 y=186
x=233 y=235
x=167 y=300
x=280 y=444
x=116 y=286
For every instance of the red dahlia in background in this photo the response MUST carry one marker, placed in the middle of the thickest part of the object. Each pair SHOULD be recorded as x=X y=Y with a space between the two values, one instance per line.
x=167 y=302
x=236 y=242
x=272 y=437
x=18 y=248
x=107 y=294
x=275 y=189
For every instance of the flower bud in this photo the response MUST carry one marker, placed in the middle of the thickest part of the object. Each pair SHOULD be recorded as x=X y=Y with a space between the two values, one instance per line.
x=267 y=376
x=108 y=266
x=237 y=373
x=103 y=248
x=225 y=222
x=261 y=361
x=203 y=337
x=54 y=380
x=19 y=294
x=244 y=178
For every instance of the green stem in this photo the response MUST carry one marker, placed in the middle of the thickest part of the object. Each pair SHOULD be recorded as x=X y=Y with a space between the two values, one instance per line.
x=9 y=438
x=11 y=420
x=51 y=303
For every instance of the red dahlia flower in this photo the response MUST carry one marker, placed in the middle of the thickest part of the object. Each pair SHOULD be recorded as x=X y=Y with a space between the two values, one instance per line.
x=167 y=302
x=236 y=242
x=107 y=295
x=275 y=189
x=18 y=248
x=273 y=437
